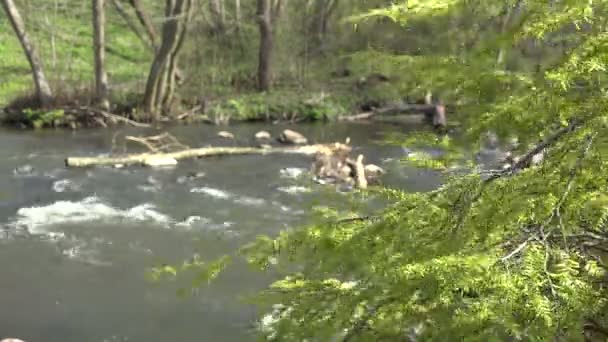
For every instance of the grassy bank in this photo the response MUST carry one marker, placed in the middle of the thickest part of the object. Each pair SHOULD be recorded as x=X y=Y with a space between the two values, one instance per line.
x=63 y=35
x=222 y=91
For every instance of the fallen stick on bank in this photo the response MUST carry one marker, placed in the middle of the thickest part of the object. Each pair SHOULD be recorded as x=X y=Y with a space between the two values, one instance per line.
x=157 y=159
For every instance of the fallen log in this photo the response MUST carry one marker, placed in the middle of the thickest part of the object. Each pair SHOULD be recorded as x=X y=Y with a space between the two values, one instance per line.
x=112 y=118
x=148 y=158
x=395 y=109
x=356 y=117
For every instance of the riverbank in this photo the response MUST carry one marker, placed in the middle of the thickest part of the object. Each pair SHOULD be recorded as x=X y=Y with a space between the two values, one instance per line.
x=78 y=111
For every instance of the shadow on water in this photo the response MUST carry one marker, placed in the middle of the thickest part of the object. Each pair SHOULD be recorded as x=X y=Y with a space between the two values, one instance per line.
x=78 y=275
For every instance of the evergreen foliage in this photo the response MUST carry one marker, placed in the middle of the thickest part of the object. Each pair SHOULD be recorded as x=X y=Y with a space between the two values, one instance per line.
x=514 y=254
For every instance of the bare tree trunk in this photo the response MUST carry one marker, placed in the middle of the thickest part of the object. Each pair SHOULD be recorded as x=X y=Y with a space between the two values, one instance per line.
x=277 y=9
x=266 y=44
x=145 y=22
x=132 y=25
x=101 y=78
x=43 y=90
x=237 y=13
x=173 y=72
x=322 y=13
x=217 y=14
x=162 y=77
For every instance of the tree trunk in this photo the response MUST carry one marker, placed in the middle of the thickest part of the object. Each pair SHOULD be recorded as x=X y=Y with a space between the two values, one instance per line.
x=145 y=22
x=161 y=80
x=101 y=78
x=237 y=13
x=217 y=16
x=132 y=25
x=43 y=90
x=266 y=44
x=173 y=72
x=322 y=13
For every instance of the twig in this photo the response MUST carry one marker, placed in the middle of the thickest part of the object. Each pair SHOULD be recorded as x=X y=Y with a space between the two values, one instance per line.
x=109 y=116
x=159 y=143
x=519 y=248
x=556 y=211
x=523 y=163
x=123 y=119
x=545 y=238
x=189 y=112
x=142 y=141
x=100 y=122
x=527 y=158
x=356 y=219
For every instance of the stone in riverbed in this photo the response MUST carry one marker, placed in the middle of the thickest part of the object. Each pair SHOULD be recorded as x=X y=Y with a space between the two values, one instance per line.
x=12 y=340
x=373 y=171
x=292 y=137
x=225 y=135
x=24 y=170
x=263 y=135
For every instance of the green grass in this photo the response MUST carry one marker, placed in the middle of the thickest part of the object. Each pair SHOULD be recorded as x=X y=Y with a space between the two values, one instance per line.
x=63 y=38
x=282 y=105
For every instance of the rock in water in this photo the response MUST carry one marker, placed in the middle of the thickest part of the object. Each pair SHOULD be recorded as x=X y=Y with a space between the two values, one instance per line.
x=12 y=340
x=190 y=177
x=24 y=170
x=263 y=135
x=537 y=158
x=373 y=171
x=160 y=161
x=291 y=137
x=225 y=135
x=291 y=172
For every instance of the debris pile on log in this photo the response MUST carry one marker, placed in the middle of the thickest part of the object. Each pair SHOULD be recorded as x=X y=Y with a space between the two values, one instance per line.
x=333 y=164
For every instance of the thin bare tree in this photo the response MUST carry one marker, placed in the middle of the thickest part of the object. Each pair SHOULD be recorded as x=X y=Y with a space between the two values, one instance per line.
x=145 y=21
x=162 y=77
x=43 y=89
x=131 y=24
x=216 y=8
x=264 y=16
x=237 y=13
x=101 y=77
x=323 y=11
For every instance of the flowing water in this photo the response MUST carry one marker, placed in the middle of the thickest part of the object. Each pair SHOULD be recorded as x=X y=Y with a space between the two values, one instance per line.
x=75 y=243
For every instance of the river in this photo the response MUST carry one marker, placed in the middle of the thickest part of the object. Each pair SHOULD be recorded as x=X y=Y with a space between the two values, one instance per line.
x=75 y=243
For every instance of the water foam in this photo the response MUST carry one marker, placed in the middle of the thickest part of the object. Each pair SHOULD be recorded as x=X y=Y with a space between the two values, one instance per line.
x=225 y=195
x=292 y=190
x=216 y=193
x=292 y=172
x=35 y=219
x=65 y=185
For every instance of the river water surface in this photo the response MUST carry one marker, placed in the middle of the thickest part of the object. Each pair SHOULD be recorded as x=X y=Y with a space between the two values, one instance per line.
x=75 y=243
